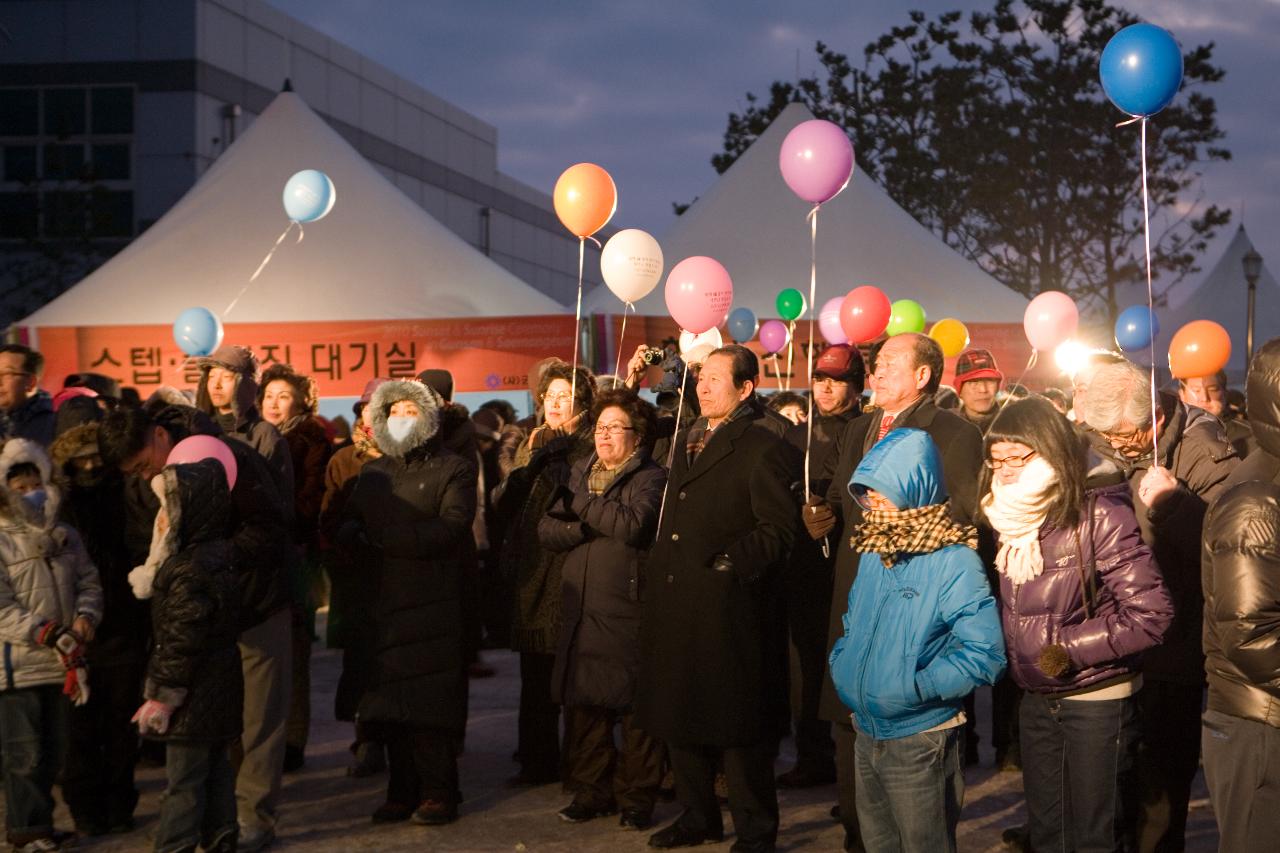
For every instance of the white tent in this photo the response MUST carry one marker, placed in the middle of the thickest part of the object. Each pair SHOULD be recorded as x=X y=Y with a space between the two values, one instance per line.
x=1222 y=296
x=753 y=224
x=376 y=256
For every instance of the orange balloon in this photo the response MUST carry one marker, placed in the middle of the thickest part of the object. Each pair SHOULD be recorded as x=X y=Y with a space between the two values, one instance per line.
x=585 y=199
x=1200 y=348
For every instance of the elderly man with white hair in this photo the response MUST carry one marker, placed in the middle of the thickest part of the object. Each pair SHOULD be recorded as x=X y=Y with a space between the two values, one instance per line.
x=1172 y=488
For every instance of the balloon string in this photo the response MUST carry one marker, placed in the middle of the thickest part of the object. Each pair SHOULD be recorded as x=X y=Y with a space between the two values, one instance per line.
x=1151 y=306
x=577 y=326
x=671 y=454
x=777 y=371
x=264 y=263
x=791 y=350
x=617 y=364
x=813 y=296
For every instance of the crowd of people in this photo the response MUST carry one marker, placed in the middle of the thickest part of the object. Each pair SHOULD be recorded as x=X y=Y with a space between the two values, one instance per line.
x=686 y=582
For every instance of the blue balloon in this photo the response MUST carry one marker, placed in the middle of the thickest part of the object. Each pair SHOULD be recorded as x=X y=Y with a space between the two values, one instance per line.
x=1141 y=69
x=1135 y=327
x=309 y=195
x=742 y=325
x=197 y=331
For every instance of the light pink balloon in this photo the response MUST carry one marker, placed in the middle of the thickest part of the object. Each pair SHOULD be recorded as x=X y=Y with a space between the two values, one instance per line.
x=197 y=447
x=829 y=321
x=774 y=336
x=816 y=160
x=1050 y=319
x=699 y=293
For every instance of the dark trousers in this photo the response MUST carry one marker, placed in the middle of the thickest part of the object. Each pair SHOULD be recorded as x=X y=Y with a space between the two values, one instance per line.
x=753 y=799
x=1078 y=761
x=1242 y=769
x=538 y=726
x=422 y=764
x=815 y=750
x=600 y=774
x=1167 y=763
x=1005 y=698
x=97 y=779
x=199 y=802
x=301 y=636
x=847 y=783
x=33 y=737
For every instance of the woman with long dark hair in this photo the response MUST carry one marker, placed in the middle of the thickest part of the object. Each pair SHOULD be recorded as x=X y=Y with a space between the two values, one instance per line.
x=1081 y=599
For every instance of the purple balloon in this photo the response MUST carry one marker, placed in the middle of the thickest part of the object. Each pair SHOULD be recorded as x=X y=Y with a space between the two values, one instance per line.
x=816 y=160
x=829 y=321
x=773 y=336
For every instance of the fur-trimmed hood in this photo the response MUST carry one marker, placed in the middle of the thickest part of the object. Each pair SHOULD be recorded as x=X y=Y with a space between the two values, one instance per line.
x=429 y=404
x=242 y=362
x=195 y=507
x=73 y=443
x=13 y=509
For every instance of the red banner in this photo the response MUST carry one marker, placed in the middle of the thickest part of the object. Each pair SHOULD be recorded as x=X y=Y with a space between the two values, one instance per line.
x=484 y=354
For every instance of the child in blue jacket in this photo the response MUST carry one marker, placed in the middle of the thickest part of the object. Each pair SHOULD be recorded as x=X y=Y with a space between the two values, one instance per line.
x=921 y=633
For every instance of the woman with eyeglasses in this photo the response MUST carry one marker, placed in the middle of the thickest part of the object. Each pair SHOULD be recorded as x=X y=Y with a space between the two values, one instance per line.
x=543 y=463
x=605 y=520
x=1081 y=599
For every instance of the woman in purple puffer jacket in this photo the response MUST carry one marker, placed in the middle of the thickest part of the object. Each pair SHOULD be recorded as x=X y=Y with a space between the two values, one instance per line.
x=1081 y=599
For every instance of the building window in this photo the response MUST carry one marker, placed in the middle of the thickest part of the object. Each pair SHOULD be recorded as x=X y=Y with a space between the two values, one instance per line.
x=67 y=162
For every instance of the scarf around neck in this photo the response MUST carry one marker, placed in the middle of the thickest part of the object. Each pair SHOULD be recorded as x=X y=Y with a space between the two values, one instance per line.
x=600 y=478
x=701 y=432
x=1017 y=511
x=894 y=534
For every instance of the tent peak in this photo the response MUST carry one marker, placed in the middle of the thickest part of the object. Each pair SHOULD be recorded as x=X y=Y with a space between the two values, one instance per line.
x=288 y=85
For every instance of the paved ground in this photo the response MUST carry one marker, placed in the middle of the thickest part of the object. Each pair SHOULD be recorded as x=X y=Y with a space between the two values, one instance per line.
x=326 y=811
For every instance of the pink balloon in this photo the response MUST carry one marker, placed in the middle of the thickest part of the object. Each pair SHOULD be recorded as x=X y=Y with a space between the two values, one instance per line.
x=829 y=321
x=197 y=447
x=816 y=160
x=699 y=293
x=1050 y=319
x=774 y=335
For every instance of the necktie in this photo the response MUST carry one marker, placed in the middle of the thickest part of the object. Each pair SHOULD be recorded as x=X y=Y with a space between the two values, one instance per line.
x=886 y=424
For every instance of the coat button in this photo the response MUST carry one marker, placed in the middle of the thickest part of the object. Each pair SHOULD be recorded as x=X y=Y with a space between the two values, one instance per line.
x=671 y=578
x=675 y=537
x=684 y=495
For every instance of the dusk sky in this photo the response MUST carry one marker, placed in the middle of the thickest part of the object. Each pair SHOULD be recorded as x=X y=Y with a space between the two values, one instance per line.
x=644 y=89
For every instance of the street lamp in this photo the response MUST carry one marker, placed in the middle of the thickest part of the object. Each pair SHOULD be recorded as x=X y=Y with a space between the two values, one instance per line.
x=1252 y=263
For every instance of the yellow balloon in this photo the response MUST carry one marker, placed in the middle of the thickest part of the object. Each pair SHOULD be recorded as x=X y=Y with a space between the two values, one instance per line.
x=951 y=335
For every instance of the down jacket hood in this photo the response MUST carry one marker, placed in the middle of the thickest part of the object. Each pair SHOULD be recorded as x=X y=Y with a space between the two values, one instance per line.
x=197 y=504
x=428 y=424
x=13 y=509
x=905 y=467
x=240 y=361
x=1263 y=397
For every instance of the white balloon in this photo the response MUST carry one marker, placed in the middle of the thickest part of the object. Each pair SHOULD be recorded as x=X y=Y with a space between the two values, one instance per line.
x=696 y=348
x=631 y=264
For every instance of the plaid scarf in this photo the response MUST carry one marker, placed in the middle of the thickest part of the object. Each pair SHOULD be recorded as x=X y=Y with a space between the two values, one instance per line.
x=700 y=433
x=600 y=477
x=894 y=534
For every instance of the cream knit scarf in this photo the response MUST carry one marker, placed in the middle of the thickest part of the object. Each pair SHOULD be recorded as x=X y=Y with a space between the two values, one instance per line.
x=1017 y=511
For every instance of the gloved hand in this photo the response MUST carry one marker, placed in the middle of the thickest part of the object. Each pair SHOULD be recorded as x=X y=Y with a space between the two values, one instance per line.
x=64 y=641
x=76 y=685
x=153 y=717
x=1054 y=660
x=818 y=518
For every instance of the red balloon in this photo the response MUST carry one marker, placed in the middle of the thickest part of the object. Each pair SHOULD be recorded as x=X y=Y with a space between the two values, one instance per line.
x=864 y=314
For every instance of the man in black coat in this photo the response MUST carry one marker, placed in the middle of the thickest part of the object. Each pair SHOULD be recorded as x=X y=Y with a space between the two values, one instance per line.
x=908 y=370
x=713 y=660
x=138 y=443
x=838 y=378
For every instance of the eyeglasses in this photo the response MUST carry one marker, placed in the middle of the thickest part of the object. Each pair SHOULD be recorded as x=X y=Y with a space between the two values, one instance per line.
x=1010 y=461
x=1120 y=439
x=562 y=397
x=5 y=374
x=614 y=430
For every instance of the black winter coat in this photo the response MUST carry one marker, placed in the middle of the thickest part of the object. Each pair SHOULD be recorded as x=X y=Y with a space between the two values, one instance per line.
x=960 y=444
x=713 y=668
x=259 y=531
x=195 y=662
x=416 y=514
x=608 y=537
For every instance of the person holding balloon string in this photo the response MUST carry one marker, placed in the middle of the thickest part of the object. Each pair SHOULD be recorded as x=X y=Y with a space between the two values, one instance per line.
x=1172 y=487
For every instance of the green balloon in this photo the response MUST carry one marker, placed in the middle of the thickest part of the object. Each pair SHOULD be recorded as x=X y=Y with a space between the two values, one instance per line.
x=906 y=315
x=790 y=304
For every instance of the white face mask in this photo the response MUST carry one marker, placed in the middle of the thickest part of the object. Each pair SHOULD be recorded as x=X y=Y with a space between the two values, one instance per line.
x=400 y=426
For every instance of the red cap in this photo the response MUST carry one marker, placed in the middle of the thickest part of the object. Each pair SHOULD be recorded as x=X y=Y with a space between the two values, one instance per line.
x=839 y=361
x=976 y=364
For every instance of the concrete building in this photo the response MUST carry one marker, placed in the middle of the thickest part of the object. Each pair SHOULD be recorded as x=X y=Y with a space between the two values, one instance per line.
x=111 y=109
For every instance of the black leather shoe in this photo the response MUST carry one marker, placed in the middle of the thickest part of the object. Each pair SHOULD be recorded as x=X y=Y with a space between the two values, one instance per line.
x=677 y=835
x=753 y=847
x=635 y=819
x=803 y=777
x=576 y=812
